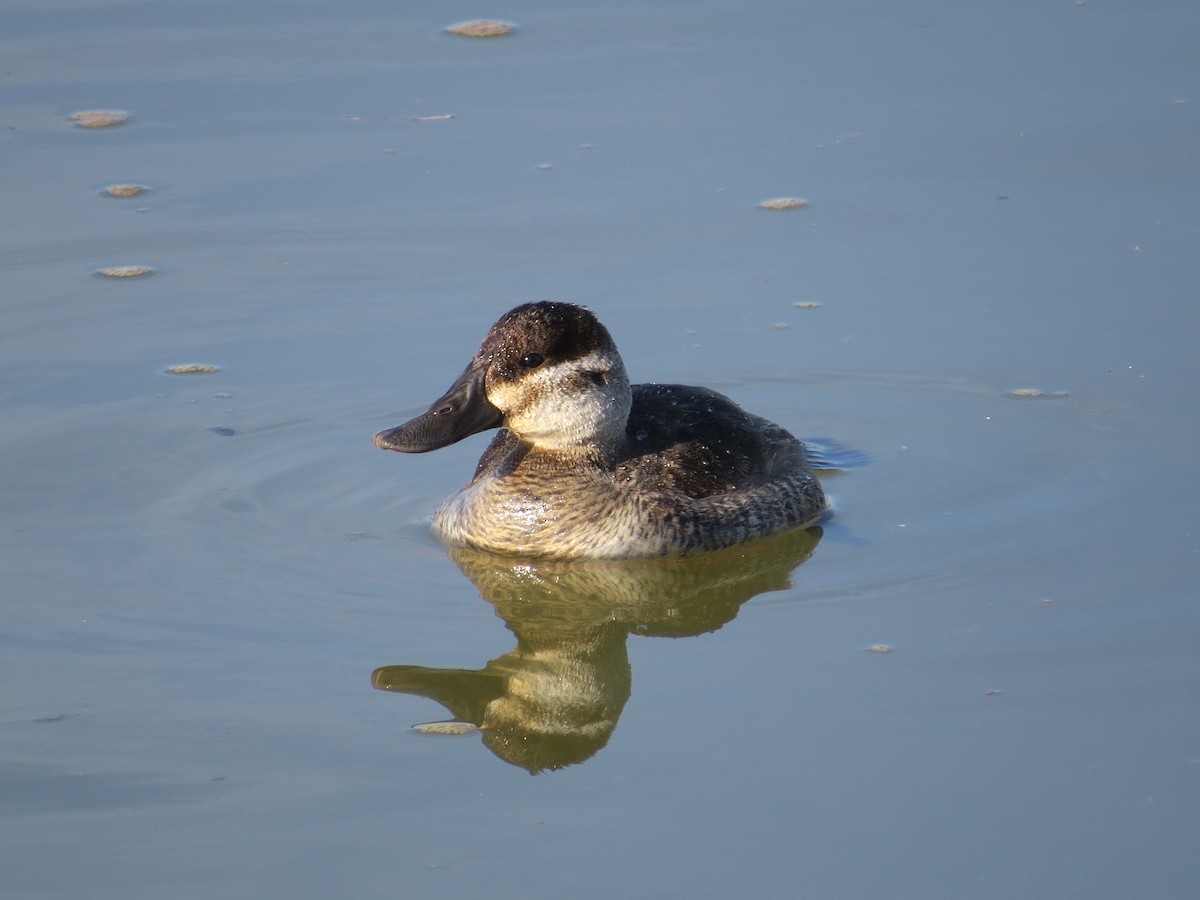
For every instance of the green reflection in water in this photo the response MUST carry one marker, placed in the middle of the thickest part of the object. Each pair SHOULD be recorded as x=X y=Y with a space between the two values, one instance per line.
x=555 y=699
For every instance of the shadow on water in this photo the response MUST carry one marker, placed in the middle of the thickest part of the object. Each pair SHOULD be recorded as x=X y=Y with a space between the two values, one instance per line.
x=555 y=699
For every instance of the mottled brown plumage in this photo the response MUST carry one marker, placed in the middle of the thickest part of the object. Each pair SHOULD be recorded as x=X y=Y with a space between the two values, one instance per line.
x=587 y=465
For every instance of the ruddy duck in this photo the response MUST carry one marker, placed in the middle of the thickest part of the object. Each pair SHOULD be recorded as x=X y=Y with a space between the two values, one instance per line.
x=587 y=465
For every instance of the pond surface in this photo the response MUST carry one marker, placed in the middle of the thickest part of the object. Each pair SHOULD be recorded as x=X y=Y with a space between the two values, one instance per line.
x=224 y=613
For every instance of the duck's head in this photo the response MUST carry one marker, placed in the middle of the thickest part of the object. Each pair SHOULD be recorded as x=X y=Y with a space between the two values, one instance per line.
x=548 y=372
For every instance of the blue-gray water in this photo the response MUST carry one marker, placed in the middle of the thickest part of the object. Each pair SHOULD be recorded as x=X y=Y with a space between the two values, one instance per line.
x=202 y=572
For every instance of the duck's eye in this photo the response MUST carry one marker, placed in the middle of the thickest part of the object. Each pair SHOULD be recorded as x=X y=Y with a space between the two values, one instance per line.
x=532 y=360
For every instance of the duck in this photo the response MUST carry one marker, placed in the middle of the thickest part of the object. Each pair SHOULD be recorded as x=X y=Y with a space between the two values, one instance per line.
x=588 y=466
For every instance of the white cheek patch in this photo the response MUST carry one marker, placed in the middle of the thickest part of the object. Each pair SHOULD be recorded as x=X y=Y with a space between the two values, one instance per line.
x=563 y=404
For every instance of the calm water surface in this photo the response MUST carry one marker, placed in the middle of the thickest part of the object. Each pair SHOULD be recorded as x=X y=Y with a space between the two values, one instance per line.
x=223 y=612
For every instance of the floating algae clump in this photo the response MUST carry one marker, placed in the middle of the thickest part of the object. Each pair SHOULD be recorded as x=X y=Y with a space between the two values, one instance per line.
x=99 y=118
x=483 y=28
x=125 y=190
x=125 y=271
x=1036 y=393
x=193 y=369
x=784 y=203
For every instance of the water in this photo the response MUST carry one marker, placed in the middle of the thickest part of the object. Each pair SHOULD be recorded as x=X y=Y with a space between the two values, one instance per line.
x=203 y=573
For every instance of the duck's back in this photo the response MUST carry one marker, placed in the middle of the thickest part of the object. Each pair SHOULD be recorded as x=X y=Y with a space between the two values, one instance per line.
x=700 y=443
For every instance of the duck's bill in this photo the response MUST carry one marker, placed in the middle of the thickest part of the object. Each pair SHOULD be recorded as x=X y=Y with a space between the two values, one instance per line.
x=462 y=411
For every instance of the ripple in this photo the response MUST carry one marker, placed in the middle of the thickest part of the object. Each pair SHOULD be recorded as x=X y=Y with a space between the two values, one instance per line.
x=965 y=480
x=966 y=483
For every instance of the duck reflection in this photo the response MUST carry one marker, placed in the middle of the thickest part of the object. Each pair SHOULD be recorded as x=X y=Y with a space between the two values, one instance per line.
x=555 y=699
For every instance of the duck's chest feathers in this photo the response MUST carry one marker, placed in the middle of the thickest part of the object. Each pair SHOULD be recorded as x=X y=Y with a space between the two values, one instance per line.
x=526 y=502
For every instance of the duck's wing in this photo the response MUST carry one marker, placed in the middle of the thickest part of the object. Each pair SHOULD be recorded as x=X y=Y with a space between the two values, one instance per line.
x=701 y=443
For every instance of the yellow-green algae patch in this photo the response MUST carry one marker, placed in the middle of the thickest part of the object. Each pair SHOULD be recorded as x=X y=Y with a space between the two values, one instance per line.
x=99 y=118
x=784 y=203
x=482 y=28
x=125 y=190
